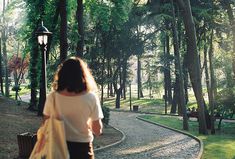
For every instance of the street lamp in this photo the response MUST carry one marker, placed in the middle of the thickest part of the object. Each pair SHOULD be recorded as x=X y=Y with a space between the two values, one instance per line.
x=42 y=34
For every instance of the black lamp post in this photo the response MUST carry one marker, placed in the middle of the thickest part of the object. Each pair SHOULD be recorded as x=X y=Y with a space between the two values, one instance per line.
x=42 y=34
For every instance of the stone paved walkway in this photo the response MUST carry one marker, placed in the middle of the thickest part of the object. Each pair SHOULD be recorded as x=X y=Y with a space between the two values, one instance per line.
x=145 y=140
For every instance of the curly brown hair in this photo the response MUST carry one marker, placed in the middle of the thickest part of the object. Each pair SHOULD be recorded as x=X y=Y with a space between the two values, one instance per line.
x=74 y=76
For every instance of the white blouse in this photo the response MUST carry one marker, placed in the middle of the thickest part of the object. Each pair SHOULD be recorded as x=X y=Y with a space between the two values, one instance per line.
x=77 y=113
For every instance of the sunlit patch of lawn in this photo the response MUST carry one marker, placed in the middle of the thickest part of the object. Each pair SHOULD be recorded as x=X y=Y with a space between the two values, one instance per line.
x=145 y=104
x=218 y=146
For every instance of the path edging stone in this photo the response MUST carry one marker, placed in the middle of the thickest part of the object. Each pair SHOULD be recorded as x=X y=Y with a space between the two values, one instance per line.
x=179 y=131
x=113 y=144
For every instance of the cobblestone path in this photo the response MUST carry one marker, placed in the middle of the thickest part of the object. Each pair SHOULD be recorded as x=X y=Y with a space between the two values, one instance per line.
x=145 y=141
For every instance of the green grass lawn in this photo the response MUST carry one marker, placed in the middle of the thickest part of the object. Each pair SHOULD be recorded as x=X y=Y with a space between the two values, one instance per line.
x=145 y=104
x=219 y=146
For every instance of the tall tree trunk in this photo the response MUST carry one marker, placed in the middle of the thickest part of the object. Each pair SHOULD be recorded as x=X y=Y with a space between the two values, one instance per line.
x=179 y=68
x=212 y=85
x=168 y=71
x=5 y=62
x=232 y=23
x=139 y=83
x=118 y=91
x=108 y=70
x=193 y=61
x=15 y=74
x=185 y=73
x=175 y=101
x=4 y=50
x=102 y=81
x=1 y=75
x=103 y=70
x=206 y=65
x=176 y=95
x=80 y=44
x=165 y=74
x=33 y=69
x=111 y=84
x=63 y=30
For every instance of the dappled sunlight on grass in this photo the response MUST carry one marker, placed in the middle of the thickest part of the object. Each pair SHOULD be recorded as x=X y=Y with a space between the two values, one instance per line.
x=219 y=147
x=145 y=105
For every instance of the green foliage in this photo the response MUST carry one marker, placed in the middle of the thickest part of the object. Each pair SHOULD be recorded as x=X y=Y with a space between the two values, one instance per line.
x=100 y=14
x=225 y=101
x=106 y=112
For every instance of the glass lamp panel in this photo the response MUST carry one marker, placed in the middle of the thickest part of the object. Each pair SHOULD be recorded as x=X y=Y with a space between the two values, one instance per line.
x=45 y=39
x=40 y=39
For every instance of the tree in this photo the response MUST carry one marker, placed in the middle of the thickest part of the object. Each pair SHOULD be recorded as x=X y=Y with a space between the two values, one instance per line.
x=211 y=92
x=79 y=15
x=63 y=30
x=179 y=69
x=18 y=66
x=4 y=50
x=228 y=5
x=1 y=73
x=193 y=61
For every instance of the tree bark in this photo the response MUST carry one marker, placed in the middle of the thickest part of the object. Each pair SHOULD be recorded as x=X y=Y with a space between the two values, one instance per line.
x=80 y=44
x=193 y=61
x=63 y=30
x=168 y=72
x=33 y=71
x=1 y=77
x=232 y=23
x=212 y=84
x=175 y=100
x=179 y=68
x=4 y=50
x=140 y=92
x=165 y=74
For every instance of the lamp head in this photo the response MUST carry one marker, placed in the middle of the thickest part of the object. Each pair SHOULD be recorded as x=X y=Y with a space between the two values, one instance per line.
x=42 y=33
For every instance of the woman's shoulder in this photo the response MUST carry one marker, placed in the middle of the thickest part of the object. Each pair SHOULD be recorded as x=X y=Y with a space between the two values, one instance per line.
x=51 y=94
x=92 y=94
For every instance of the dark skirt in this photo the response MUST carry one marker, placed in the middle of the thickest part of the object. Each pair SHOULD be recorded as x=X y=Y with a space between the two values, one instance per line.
x=78 y=150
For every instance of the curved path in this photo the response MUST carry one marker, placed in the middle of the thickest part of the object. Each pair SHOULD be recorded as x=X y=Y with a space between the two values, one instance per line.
x=145 y=140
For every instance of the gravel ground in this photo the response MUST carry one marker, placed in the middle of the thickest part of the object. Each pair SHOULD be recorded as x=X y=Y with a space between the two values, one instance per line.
x=145 y=140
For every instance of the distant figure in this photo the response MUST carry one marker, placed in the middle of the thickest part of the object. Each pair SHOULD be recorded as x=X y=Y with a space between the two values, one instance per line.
x=78 y=106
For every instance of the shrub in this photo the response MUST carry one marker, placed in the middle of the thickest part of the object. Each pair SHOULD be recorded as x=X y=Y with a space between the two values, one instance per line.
x=106 y=115
x=225 y=102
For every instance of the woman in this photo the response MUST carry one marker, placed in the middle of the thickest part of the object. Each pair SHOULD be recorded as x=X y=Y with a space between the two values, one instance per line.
x=78 y=106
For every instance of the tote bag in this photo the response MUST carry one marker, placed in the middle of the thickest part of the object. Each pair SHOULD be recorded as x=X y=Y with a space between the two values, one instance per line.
x=51 y=143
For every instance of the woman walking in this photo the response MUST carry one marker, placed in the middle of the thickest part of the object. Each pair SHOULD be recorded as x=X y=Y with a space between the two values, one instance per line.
x=78 y=106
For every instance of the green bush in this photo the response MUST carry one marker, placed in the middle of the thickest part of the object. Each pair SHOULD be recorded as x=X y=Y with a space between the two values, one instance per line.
x=225 y=102
x=106 y=115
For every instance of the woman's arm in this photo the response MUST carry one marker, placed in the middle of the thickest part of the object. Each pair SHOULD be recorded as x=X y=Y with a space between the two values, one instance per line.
x=97 y=127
